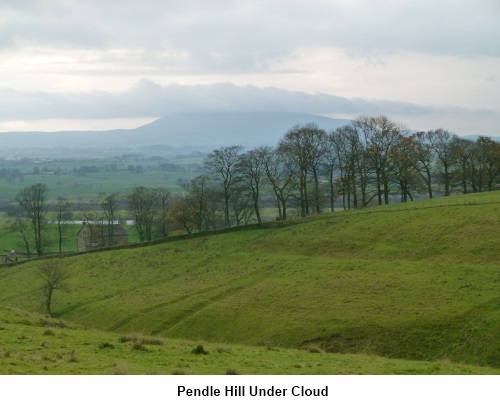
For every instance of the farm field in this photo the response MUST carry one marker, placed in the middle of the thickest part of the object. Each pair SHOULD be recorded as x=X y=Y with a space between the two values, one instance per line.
x=417 y=284
x=83 y=180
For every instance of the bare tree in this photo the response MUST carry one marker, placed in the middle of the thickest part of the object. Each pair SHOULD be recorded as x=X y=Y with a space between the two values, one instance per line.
x=223 y=164
x=424 y=161
x=280 y=174
x=463 y=154
x=201 y=201
x=441 y=144
x=305 y=145
x=21 y=225
x=164 y=201
x=109 y=207
x=54 y=278
x=381 y=134
x=62 y=218
x=251 y=168
x=32 y=206
x=142 y=204
x=352 y=164
x=489 y=151
x=404 y=158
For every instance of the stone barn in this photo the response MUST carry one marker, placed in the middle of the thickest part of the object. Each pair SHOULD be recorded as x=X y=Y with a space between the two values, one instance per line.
x=95 y=236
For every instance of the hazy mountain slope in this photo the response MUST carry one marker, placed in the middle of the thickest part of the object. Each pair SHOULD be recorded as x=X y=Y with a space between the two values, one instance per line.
x=222 y=129
x=186 y=131
x=172 y=134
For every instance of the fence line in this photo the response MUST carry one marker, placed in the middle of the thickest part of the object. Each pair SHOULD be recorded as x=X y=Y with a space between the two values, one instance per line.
x=423 y=204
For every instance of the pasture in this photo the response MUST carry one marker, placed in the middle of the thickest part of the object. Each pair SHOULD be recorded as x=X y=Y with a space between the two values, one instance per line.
x=415 y=284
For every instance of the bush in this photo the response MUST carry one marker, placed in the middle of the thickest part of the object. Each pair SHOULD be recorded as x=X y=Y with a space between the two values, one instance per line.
x=199 y=350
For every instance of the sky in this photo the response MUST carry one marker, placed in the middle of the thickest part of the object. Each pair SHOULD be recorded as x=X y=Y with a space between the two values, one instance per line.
x=68 y=64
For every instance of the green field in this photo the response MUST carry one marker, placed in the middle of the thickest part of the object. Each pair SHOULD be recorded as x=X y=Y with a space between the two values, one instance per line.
x=410 y=289
x=62 y=181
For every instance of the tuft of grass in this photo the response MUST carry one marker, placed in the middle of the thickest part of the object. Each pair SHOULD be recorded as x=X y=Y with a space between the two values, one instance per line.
x=48 y=332
x=152 y=340
x=106 y=345
x=72 y=357
x=231 y=371
x=138 y=346
x=141 y=339
x=314 y=348
x=180 y=371
x=121 y=369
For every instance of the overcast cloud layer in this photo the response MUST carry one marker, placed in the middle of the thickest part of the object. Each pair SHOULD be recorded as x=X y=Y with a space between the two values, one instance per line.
x=95 y=60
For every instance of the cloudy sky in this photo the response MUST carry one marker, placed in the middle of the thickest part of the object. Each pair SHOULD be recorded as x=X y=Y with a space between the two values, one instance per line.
x=93 y=64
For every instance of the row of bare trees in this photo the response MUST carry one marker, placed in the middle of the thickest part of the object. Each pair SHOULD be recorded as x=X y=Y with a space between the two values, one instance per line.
x=148 y=208
x=372 y=160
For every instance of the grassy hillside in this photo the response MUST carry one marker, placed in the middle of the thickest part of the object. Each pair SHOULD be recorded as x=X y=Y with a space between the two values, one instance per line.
x=39 y=345
x=420 y=283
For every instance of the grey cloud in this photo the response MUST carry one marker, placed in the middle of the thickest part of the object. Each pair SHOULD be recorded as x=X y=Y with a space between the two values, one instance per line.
x=243 y=35
x=148 y=98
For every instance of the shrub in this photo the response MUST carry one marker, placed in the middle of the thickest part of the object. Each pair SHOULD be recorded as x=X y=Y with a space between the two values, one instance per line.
x=199 y=350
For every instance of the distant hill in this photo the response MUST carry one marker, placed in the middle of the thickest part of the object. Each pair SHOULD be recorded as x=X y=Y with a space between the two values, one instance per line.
x=171 y=134
x=219 y=129
x=474 y=137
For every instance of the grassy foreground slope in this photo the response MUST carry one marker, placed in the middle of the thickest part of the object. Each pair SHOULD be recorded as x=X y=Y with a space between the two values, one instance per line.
x=418 y=284
x=31 y=344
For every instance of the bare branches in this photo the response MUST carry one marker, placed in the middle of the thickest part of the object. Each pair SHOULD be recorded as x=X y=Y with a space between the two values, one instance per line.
x=54 y=278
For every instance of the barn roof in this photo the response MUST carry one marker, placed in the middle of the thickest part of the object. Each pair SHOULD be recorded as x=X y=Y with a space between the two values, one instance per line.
x=118 y=230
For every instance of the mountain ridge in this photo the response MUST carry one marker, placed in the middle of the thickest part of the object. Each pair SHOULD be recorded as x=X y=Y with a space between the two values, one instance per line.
x=201 y=131
x=175 y=133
